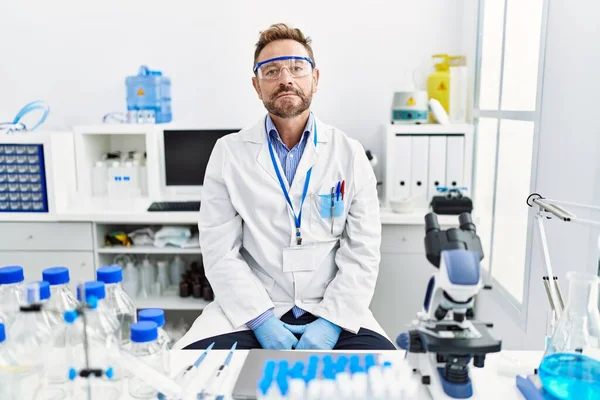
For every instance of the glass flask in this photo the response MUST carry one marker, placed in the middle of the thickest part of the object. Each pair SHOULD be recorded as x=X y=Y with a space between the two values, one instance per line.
x=570 y=368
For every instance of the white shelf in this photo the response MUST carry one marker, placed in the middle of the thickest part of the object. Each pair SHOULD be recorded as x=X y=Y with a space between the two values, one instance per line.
x=171 y=301
x=147 y=250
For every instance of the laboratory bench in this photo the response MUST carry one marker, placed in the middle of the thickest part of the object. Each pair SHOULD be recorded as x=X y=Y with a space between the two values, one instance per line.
x=75 y=238
x=495 y=381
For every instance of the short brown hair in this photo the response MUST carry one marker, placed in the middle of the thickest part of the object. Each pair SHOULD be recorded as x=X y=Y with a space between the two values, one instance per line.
x=281 y=32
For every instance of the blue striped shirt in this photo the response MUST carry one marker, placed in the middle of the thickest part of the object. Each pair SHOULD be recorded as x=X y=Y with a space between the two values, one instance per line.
x=289 y=160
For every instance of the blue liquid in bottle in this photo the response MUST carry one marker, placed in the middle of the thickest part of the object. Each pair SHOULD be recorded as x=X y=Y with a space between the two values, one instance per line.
x=571 y=376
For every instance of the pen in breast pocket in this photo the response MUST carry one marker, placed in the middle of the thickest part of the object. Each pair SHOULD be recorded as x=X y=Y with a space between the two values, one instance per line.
x=332 y=207
x=338 y=191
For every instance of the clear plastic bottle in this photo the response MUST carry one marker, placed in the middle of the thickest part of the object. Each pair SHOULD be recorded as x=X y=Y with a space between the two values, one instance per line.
x=117 y=300
x=11 y=280
x=5 y=381
x=177 y=269
x=131 y=280
x=102 y=330
x=163 y=275
x=144 y=335
x=61 y=300
x=157 y=316
x=31 y=337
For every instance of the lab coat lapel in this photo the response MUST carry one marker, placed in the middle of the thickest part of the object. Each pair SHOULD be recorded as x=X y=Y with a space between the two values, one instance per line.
x=264 y=159
x=308 y=160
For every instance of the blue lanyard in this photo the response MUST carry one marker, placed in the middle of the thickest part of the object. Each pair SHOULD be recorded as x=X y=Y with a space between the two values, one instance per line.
x=298 y=218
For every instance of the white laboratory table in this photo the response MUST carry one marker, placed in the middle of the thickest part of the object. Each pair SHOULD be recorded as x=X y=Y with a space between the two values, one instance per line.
x=491 y=381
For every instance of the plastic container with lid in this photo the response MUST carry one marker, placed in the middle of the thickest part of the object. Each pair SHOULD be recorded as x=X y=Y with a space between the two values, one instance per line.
x=149 y=91
x=144 y=339
x=60 y=301
x=11 y=281
x=157 y=316
x=117 y=300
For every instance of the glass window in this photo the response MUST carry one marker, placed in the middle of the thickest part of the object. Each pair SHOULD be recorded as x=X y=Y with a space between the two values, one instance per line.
x=511 y=214
x=487 y=133
x=521 y=54
x=491 y=54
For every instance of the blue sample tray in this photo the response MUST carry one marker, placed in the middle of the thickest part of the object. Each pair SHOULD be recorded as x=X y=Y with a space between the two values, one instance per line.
x=22 y=178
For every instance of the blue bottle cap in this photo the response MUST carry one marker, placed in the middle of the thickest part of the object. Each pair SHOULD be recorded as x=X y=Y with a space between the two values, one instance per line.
x=11 y=274
x=144 y=331
x=2 y=333
x=93 y=288
x=56 y=275
x=44 y=290
x=156 y=315
x=110 y=274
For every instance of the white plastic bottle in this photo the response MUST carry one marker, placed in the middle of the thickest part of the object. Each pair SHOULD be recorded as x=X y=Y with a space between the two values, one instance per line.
x=131 y=280
x=144 y=335
x=157 y=316
x=61 y=300
x=102 y=330
x=163 y=275
x=117 y=300
x=11 y=280
x=99 y=178
x=177 y=269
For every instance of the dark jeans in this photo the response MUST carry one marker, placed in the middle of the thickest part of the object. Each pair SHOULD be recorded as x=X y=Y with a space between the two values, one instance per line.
x=365 y=339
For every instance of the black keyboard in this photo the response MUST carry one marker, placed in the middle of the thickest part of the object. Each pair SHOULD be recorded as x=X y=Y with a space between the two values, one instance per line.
x=175 y=206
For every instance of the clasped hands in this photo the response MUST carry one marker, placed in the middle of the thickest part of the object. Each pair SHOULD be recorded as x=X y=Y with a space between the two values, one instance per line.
x=318 y=335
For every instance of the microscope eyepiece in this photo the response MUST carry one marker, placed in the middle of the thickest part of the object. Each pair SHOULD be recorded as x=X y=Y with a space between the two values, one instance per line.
x=466 y=222
x=431 y=223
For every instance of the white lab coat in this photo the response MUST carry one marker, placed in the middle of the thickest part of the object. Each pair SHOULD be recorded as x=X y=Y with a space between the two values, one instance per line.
x=245 y=222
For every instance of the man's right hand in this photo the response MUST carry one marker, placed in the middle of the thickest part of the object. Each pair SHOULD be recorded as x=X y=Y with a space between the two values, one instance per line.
x=272 y=335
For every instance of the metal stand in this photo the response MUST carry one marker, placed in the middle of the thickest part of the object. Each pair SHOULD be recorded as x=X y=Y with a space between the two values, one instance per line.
x=552 y=209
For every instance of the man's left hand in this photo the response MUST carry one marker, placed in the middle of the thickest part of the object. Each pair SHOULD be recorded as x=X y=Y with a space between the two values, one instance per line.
x=318 y=335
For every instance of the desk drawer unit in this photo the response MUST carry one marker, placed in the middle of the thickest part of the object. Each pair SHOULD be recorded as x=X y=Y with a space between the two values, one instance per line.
x=49 y=236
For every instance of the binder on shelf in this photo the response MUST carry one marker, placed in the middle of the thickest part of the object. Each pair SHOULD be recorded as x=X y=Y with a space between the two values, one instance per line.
x=401 y=167
x=455 y=149
x=437 y=165
x=419 y=169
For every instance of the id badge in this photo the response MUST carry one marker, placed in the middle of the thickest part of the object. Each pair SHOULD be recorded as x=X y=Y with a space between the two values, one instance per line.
x=299 y=258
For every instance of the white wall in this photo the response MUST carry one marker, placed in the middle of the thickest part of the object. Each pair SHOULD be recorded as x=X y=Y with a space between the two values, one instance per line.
x=568 y=166
x=76 y=55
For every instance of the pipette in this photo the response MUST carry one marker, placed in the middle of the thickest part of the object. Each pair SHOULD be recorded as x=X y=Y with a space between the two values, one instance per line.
x=184 y=377
x=213 y=387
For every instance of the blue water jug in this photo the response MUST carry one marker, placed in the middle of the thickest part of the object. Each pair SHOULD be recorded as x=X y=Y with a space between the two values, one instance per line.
x=150 y=91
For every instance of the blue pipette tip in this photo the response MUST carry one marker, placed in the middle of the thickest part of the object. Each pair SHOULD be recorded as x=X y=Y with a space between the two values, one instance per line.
x=110 y=373
x=387 y=364
x=70 y=316
x=72 y=374
x=369 y=361
x=203 y=355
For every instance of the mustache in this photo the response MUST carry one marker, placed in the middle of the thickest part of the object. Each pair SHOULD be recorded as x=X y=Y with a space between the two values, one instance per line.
x=286 y=90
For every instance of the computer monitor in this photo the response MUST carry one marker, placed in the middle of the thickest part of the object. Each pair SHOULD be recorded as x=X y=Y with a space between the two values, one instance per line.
x=186 y=154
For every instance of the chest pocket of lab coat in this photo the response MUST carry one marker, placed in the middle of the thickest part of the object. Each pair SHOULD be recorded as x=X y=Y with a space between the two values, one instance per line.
x=322 y=219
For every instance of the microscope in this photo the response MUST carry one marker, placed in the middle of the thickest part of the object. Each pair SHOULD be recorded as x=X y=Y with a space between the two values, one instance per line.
x=445 y=338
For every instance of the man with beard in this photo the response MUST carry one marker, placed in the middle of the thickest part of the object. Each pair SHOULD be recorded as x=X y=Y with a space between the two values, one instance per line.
x=289 y=221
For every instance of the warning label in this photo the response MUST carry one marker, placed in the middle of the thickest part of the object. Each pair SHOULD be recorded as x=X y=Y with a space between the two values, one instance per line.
x=140 y=92
x=411 y=102
x=442 y=87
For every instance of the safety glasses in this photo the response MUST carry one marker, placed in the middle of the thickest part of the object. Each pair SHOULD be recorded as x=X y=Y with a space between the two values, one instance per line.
x=272 y=68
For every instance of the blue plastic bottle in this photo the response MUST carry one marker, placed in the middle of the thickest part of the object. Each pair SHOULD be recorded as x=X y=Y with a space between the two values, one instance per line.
x=149 y=97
